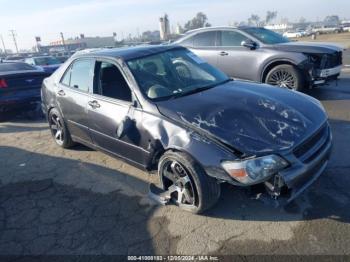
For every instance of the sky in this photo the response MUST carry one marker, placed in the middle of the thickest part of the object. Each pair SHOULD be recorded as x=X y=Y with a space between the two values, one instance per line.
x=47 y=18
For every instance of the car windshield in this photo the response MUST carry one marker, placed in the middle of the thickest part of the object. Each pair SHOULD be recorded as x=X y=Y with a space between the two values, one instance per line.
x=46 y=61
x=266 y=36
x=5 y=67
x=174 y=73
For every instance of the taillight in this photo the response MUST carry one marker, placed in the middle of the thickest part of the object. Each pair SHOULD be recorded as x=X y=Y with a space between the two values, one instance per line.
x=3 y=83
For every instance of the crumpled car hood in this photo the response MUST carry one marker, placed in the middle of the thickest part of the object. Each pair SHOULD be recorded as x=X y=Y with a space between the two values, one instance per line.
x=252 y=118
x=307 y=47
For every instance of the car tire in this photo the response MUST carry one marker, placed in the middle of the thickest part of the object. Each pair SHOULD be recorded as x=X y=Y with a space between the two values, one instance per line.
x=205 y=189
x=286 y=76
x=59 y=130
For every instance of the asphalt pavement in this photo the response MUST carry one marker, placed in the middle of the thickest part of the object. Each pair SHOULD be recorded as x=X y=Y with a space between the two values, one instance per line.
x=79 y=201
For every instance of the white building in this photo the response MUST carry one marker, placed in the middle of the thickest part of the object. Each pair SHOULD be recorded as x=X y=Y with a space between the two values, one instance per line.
x=164 y=27
x=279 y=27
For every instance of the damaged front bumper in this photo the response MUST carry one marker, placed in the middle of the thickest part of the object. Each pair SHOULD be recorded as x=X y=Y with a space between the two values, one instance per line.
x=307 y=161
x=305 y=169
x=322 y=76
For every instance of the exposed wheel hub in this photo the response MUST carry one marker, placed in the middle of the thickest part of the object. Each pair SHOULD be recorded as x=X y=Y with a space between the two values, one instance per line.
x=179 y=187
x=57 y=129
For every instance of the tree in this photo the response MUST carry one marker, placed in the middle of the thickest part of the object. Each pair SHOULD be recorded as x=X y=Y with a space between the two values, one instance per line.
x=284 y=20
x=270 y=15
x=332 y=20
x=302 y=20
x=200 y=20
x=254 y=20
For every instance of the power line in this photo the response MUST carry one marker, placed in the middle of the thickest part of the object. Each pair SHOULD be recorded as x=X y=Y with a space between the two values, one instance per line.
x=63 y=42
x=13 y=34
x=3 y=44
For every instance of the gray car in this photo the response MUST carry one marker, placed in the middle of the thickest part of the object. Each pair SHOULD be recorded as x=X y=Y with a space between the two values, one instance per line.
x=261 y=55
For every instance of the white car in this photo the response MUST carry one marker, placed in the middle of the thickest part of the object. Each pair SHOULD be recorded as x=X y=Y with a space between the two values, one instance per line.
x=292 y=34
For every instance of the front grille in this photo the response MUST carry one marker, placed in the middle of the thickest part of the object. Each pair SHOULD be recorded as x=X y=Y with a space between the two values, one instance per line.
x=331 y=60
x=312 y=147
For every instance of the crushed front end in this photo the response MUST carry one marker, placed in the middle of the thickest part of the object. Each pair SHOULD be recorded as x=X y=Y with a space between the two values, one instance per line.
x=307 y=162
x=322 y=68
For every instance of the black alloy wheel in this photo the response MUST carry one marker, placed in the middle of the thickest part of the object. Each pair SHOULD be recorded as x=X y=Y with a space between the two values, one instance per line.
x=189 y=186
x=59 y=130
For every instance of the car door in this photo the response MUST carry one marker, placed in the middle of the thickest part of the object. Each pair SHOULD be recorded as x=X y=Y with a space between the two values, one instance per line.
x=203 y=44
x=73 y=96
x=109 y=108
x=234 y=59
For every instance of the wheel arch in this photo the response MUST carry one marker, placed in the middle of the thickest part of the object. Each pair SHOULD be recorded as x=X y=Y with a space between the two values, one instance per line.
x=273 y=64
x=161 y=151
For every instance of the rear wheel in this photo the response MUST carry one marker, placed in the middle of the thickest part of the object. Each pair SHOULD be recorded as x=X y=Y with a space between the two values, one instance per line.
x=191 y=188
x=286 y=76
x=59 y=131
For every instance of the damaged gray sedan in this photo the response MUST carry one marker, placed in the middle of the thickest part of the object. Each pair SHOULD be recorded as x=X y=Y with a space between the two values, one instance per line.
x=163 y=108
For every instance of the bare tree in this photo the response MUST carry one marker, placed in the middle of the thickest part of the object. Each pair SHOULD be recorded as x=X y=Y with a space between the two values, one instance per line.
x=200 y=20
x=302 y=20
x=332 y=20
x=270 y=15
x=254 y=20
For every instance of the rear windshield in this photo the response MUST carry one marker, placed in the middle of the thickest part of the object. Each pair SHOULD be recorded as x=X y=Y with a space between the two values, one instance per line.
x=4 y=67
x=46 y=61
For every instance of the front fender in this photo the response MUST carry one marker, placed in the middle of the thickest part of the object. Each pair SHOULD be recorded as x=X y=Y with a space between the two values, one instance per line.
x=280 y=58
x=165 y=134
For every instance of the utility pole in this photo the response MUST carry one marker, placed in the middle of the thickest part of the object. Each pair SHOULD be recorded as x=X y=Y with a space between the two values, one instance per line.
x=13 y=34
x=3 y=44
x=63 y=42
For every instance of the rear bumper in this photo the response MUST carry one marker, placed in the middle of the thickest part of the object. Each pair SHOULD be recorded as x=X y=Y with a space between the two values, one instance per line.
x=17 y=102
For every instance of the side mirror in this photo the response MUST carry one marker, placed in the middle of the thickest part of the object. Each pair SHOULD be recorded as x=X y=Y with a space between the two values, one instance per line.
x=249 y=44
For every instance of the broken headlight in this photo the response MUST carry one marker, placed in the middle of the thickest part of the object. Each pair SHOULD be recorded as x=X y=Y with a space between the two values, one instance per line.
x=252 y=171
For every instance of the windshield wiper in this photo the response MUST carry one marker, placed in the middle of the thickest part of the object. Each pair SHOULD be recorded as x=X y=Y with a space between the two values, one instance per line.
x=199 y=89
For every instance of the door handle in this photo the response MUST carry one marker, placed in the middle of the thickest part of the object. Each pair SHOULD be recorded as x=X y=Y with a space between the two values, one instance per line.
x=94 y=104
x=223 y=53
x=61 y=93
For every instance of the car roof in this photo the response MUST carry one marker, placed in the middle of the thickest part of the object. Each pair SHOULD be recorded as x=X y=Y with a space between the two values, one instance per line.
x=42 y=56
x=213 y=28
x=128 y=53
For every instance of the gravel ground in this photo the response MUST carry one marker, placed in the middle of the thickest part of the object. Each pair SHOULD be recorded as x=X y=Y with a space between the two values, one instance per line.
x=79 y=201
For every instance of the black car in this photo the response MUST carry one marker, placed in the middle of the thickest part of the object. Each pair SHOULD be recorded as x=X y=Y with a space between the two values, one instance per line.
x=163 y=108
x=20 y=85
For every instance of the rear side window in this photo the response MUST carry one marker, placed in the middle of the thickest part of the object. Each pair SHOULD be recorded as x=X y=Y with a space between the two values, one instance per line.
x=232 y=38
x=66 y=77
x=80 y=75
x=205 y=39
x=5 y=67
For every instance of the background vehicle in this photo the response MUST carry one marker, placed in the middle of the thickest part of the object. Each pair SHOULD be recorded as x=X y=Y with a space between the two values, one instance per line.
x=327 y=29
x=261 y=55
x=20 y=85
x=163 y=108
x=345 y=27
x=48 y=63
x=291 y=34
x=14 y=58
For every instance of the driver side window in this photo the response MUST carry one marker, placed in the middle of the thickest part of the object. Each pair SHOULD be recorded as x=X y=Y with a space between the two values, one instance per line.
x=111 y=83
x=232 y=38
